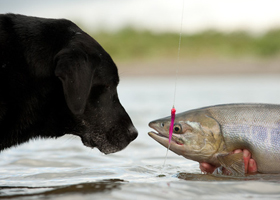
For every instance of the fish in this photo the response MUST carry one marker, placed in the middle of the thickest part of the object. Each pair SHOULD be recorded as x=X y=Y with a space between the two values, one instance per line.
x=210 y=134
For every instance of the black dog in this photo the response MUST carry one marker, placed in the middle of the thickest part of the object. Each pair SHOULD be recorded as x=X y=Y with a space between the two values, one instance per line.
x=54 y=80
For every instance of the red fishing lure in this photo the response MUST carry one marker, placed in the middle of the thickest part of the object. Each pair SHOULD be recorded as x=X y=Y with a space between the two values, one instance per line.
x=173 y=111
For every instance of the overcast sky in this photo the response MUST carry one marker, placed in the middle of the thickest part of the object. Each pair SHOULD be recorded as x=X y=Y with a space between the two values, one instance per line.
x=157 y=15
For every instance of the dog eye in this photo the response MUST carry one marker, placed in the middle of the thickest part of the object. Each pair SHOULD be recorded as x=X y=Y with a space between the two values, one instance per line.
x=162 y=124
x=177 y=128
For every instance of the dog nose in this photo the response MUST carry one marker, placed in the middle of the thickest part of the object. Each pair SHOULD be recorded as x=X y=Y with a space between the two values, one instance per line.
x=133 y=133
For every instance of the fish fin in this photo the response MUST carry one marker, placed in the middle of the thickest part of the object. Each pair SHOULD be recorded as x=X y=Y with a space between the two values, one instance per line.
x=233 y=163
x=218 y=171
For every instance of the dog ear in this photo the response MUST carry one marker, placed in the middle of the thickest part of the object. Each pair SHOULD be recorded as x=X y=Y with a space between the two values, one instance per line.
x=75 y=70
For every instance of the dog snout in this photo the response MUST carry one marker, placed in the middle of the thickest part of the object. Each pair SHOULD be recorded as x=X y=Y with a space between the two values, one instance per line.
x=132 y=132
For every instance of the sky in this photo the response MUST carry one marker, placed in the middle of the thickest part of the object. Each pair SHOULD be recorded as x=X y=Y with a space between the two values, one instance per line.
x=255 y=16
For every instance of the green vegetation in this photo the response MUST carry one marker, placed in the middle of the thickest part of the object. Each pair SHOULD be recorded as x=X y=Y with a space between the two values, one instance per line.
x=130 y=45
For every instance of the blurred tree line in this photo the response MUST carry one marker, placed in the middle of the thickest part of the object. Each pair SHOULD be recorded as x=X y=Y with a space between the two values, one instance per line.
x=131 y=45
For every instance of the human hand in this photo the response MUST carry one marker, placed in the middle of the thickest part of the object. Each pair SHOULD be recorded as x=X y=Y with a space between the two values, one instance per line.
x=250 y=164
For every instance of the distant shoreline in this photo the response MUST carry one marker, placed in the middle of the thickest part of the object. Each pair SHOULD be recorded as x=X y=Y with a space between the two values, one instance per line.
x=204 y=66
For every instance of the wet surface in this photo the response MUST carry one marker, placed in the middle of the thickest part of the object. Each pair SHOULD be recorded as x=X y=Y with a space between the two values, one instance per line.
x=64 y=169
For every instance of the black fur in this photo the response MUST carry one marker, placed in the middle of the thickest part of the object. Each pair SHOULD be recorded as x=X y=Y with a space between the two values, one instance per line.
x=54 y=80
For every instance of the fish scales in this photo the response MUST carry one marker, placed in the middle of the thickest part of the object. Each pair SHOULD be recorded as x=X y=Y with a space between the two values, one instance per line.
x=255 y=127
x=211 y=133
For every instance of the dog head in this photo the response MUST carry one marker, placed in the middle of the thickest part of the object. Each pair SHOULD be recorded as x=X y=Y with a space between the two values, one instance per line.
x=89 y=78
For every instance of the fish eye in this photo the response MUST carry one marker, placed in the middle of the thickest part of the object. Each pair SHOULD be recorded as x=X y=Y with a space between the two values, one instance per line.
x=162 y=124
x=177 y=128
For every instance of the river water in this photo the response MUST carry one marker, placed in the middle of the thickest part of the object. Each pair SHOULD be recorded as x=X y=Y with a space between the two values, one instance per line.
x=64 y=169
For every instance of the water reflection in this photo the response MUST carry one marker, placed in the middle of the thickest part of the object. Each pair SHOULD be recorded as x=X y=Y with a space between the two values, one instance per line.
x=81 y=188
x=211 y=177
x=64 y=169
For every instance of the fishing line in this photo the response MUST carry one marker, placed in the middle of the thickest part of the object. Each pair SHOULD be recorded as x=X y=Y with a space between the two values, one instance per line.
x=173 y=110
x=178 y=55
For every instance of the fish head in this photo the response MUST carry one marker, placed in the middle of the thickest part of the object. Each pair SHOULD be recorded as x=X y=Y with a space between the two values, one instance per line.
x=196 y=136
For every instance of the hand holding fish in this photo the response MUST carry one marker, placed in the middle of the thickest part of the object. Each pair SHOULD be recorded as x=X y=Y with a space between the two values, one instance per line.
x=216 y=135
x=250 y=164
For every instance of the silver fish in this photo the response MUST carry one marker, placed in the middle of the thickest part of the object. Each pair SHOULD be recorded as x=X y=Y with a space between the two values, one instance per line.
x=210 y=134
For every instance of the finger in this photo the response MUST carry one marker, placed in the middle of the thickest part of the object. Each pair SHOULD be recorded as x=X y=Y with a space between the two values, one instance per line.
x=246 y=158
x=237 y=151
x=252 y=167
x=206 y=167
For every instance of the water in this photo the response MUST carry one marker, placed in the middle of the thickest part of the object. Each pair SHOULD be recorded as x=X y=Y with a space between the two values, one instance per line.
x=64 y=169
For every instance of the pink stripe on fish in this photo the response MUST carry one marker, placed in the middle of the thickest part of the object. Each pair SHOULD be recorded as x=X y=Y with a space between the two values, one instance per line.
x=173 y=111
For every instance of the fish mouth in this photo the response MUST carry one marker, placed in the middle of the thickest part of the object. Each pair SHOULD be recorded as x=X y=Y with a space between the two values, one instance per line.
x=161 y=138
